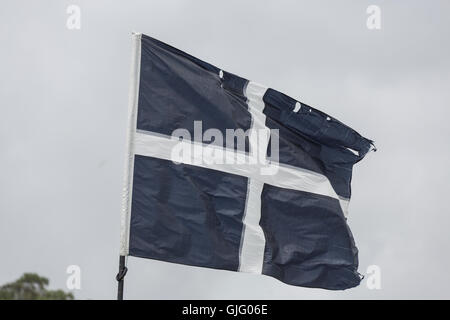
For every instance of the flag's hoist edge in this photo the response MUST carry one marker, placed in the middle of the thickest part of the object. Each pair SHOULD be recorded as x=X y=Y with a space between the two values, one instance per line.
x=290 y=177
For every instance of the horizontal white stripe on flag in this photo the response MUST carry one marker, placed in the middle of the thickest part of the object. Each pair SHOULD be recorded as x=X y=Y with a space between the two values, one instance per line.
x=160 y=146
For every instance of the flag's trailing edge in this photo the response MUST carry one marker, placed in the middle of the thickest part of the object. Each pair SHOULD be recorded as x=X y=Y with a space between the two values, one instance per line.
x=290 y=225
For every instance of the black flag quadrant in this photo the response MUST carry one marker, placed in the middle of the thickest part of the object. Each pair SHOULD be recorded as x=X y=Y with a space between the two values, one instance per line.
x=225 y=173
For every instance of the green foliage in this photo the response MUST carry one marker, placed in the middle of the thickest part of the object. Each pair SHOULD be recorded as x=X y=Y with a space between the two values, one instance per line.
x=31 y=286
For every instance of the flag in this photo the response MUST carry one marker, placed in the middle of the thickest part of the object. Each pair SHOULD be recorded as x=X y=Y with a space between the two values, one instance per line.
x=225 y=173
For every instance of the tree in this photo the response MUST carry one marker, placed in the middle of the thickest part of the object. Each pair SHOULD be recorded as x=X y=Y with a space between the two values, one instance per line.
x=31 y=286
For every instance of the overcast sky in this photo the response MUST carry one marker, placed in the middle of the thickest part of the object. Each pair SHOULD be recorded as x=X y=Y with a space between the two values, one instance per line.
x=63 y=98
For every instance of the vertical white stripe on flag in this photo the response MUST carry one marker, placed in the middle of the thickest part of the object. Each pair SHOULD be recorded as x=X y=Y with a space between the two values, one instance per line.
x=253 y=240
x=129 y=160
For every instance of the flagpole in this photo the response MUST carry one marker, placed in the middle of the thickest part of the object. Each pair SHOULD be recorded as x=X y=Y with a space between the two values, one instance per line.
x=129 y=163
x=120 y=277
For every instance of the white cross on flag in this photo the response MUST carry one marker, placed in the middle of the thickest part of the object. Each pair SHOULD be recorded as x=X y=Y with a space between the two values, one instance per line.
x=225 y=173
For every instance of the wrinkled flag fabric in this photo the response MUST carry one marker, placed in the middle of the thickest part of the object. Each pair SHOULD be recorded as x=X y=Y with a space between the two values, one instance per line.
x=291 y=225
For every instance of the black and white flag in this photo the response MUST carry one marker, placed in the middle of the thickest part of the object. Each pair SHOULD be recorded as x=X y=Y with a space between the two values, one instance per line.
x=225 y=173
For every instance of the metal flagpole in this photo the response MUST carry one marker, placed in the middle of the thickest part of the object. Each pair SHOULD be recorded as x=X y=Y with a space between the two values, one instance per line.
x=120 y=277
